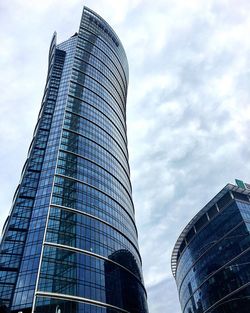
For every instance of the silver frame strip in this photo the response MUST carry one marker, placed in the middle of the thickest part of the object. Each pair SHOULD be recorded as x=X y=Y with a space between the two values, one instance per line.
x=78 y=299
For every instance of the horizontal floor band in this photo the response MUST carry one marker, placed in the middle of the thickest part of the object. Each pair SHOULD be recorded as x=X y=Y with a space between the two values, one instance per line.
x=98 y=219
x=77 y=299
x=215 y=272
x=109 y=48
x=96 y=188
x=207 y=251
x=116 y=74
x=72 y=95
x=73 y=249
x=127 y=186
x=123 y=148
x=226 y=297
x=124 y=165
x=102 y=167
x=112 y=120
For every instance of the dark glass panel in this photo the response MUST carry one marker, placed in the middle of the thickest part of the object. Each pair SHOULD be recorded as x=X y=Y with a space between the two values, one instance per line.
x=240 y=196
x=201 y=222
x=224 y=200
x=190 y=235
x=212 y=211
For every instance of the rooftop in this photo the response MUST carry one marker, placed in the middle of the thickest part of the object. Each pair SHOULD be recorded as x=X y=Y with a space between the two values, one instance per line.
x=210 y=204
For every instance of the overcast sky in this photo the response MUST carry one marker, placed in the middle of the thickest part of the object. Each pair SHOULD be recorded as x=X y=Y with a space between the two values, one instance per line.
x=188 y=110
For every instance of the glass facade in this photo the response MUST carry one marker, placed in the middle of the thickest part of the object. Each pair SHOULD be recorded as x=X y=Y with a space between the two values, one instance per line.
x=211 y=259
x=70 y=241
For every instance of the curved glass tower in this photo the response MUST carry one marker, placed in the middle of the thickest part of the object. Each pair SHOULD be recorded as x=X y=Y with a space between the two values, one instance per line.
x=211 y=258
x=70 y=241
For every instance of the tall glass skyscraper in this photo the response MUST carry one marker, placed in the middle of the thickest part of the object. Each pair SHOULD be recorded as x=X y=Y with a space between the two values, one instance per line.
x=69 y=244
x=211 y=258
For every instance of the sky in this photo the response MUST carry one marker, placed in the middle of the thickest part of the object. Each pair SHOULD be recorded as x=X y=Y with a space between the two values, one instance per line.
x=188 y=108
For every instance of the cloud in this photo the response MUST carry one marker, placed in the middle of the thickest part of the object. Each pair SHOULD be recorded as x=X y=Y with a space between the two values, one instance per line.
x=165 y=292
x=194 y=126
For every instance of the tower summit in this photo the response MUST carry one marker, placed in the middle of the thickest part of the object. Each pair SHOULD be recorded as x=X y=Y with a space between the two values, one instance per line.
x=69 y=244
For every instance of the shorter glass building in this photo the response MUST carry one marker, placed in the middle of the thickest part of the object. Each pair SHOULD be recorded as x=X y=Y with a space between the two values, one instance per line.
x=211 y=258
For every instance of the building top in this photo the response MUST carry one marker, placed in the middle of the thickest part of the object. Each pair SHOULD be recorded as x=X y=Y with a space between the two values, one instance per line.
x=107 y=29
x=100 y=22
x=203 y=216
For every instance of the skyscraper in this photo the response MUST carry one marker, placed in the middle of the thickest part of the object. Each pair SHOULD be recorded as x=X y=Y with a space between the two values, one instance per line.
x=69 y=244
x=211 y=258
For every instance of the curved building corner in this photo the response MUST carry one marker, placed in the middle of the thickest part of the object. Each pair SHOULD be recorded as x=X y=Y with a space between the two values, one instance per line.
x=211 y=258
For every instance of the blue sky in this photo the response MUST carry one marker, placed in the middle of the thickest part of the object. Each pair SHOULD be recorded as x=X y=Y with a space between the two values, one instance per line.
x=188 y=109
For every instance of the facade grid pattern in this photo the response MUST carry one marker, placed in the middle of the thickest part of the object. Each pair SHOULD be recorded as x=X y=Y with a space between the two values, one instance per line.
x=211 y=266
x=79 y=247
